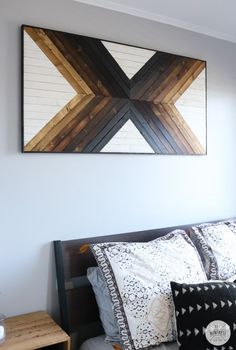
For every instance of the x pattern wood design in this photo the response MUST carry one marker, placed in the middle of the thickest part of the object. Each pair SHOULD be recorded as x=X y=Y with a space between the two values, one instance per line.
x=106 y=98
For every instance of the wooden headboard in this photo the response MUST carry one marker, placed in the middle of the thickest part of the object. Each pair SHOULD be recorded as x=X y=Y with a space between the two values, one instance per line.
x=78 y=308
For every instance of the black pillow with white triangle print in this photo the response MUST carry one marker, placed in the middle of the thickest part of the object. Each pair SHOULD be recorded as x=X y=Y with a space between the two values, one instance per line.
x=205 y=315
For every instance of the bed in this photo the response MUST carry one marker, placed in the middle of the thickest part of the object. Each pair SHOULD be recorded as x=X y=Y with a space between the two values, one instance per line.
x=78 y=307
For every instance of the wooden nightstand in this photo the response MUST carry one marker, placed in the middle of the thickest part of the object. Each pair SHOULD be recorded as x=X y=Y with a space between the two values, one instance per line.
x=33 y=331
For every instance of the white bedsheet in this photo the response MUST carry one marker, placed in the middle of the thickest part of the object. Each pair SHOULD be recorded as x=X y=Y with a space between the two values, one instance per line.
x=98 y=343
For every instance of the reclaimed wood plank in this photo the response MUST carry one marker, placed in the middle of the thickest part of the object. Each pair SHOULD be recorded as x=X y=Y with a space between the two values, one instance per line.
x=70 y=123
x=32 y=144
x=52 y=129
x=106 y=67
x=184 y=84
x=107 y=133
x=152 y=121
x=159 y=128
x=170 y=126
x=58 y=59
x=168 y=74
x=179 y=81
x=75 y=56
x=79 y=123
x=96 y=125
x=192 y=142
x=146 y=131
x=149 y=76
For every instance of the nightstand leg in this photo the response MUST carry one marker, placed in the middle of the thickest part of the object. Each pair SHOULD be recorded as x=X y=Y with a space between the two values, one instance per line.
x=66 y=345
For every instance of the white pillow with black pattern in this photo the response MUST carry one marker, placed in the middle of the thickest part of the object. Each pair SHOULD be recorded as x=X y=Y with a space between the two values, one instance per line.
x=231 y=224
x=138 y=277
x=221 y=240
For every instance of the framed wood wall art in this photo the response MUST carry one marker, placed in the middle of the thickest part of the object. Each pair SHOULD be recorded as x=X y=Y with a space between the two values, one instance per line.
x=87 y=95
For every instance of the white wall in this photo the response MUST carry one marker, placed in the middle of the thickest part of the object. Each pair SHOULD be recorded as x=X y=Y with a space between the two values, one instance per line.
x=45 y=197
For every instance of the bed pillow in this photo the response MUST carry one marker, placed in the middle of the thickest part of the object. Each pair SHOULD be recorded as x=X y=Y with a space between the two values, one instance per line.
x=222 y=242
x=138 y=277
x=231 y=224
x=104 y=303
x=205 y=315
x=208 y=258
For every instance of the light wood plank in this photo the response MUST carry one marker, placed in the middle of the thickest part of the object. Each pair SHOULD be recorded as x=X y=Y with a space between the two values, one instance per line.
x=52 y=123
x=184 y=82
x=56 y=57
x=54 y=129
x=184 y=129
x=164 y=117
x=82 y=124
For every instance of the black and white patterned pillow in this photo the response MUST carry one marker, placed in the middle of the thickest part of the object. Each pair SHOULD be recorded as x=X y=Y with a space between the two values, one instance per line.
x=221 y=240
x=208 y=258
x=231 y=224
x=138 y=277
x=205 y=315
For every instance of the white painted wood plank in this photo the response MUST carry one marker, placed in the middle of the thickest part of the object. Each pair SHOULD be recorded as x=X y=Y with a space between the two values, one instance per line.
x=192 y=106
x=130 y=59
x=44 y=78
x=128 y=139
x=128 y=49
x=45 y=86
x=41 y=70
x=46 y=91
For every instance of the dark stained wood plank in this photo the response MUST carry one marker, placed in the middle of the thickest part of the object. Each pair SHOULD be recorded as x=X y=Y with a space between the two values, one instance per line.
x=73 y=54
x=153 y=119
x=153 y=122
x=107 y=133
x=96 y=125
x=69 y=108
x=150 y=74
x=179 y=81
x=106 y=66
x=80 y=122
x=155 y=61
x=164 y=80
x=187 y=131
x=72 y=123
x=194 y=145
x=78 y=126
x=183 y=84
x=146 y=131
x=58 y=60
x=62 y=119
x=171 y=127
x=94 y=63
